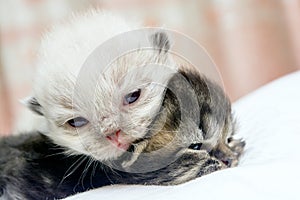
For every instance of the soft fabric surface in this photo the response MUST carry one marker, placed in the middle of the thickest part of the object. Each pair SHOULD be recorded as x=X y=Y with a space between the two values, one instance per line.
x=269 y=121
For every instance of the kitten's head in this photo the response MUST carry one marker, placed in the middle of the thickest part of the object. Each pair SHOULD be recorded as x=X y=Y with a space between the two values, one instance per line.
x=103 y=115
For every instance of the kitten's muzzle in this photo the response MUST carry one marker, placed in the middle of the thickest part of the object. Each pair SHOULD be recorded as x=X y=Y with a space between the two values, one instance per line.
x=117 y=141
x=108 y=126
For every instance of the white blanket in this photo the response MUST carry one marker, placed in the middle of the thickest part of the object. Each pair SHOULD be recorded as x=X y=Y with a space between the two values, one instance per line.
x=269 y=121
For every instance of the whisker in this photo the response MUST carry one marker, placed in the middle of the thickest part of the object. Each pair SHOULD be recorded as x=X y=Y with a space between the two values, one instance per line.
x=82 y=176
x=85 y=171
x=73 y=168
x=95 y=165
x=112 y=171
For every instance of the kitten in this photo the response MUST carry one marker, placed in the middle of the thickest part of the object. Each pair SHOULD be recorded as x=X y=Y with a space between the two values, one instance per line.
x=130 y=131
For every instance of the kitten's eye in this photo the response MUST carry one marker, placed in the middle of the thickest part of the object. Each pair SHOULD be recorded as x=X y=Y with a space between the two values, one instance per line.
x=132 y=97
x=78 y=122
x=195 y=146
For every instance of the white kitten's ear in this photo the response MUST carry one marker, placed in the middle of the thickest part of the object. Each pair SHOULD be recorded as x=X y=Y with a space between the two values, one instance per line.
x=33 y=105
x=160 y=41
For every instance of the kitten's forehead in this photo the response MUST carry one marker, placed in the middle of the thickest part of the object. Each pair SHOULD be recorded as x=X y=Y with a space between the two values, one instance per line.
x=66 y=47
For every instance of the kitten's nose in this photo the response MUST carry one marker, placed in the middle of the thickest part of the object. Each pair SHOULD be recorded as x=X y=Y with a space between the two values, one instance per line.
x=107 y=126
x=107 y=131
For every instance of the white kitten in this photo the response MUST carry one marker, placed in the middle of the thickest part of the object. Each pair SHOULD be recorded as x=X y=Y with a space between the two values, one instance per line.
x=113 y=108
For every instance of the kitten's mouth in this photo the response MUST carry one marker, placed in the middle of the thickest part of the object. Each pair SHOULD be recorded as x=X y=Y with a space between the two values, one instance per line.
x=115 y=139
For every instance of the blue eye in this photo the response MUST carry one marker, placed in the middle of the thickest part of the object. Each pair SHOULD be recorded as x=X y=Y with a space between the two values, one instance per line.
x=78 y=122
x=132 y=97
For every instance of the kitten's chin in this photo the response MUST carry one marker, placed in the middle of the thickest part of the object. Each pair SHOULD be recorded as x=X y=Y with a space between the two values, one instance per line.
x=109 y=153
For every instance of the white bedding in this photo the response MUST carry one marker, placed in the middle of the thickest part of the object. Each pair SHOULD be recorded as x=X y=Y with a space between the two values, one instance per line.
x=269 y=121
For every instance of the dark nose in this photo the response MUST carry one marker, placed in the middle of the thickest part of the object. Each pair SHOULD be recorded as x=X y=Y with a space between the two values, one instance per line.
x=227 y=161
x=222 y=157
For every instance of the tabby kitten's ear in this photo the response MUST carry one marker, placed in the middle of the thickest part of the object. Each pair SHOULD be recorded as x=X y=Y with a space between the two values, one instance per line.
x=33 y=105
x=160 y=41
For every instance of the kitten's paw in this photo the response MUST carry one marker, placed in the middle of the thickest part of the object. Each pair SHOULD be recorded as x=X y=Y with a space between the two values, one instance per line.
x=236 y=145
x=230 y=152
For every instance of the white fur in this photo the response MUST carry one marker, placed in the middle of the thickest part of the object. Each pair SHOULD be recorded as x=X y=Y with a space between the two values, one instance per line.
x=63 y=52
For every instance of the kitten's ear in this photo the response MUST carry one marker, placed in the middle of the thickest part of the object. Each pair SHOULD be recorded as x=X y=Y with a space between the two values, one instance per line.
x=33 y=105
x=160 y=41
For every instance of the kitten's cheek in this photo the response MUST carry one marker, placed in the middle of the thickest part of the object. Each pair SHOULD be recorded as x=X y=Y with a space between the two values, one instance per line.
x=123 y=146
x=140 y=132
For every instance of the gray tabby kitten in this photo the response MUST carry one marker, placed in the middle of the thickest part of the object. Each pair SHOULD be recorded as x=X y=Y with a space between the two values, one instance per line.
x=133 y=132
